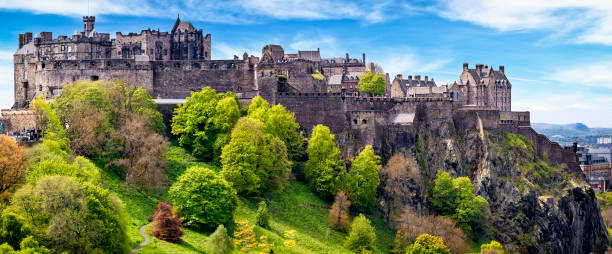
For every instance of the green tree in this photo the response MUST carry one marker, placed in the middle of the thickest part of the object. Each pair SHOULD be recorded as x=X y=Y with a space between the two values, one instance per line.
x=281 y=123
x=244 y=236
x=50 y=122
x=455 y=198
x=198 y=123
x=219 y=242
x=12 y=229
x=361 y=236
x=428 y=244
x=492 y=247
x=263 y=216
x=224 y=120
x=203 y=198
x=324 y=169
x=372 y=84
x=362 y=180
x=253 y=159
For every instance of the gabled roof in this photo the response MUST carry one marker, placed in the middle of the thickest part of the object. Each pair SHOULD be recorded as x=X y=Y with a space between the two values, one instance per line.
x=29 y=48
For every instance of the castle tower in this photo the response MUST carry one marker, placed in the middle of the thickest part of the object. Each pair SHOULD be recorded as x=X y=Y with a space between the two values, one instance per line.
x=88 y=24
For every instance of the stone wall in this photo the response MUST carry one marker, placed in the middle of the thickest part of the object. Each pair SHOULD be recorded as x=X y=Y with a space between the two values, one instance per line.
x=18 y=120
x=467 y=118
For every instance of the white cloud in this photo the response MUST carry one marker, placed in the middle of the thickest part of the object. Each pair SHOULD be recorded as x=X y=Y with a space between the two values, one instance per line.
x=589 y=21
x=235 y=11
x=327 y=44
x=409 y=62
x=596 y=74
x=6 y=83
x=223 y=50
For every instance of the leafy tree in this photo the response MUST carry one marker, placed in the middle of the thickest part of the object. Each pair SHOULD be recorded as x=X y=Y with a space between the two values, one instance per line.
x=11 y=162
x=494 y=247
x=253 y=160
x=12 y=229
x=167 y=224
x=428 y=244
x=412 y=225
x=290 y=242
x=219 y=242
x=263 y=216
x=339 y=212
x=29 y=245
x=362 y=180
x=48 y=120
x=244 y=236
x=455 y=198
x=372 y=84
x=73 y=217
x=362 y=236
x=227 y=115
x=324 y=169
x=80 y=168
x=197 y=124
x=203 y=198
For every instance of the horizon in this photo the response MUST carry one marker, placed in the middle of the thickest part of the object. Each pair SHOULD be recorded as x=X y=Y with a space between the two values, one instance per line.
x=409 y=38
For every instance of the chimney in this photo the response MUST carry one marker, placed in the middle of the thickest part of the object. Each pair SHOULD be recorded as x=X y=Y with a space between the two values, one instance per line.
x=409 y=77
x=465 y=66
x=372 y=68
x=363 y=59
x=318 y=49
x=417 y=77
x=46 y=36
x=479 y=68
x=426 y=78
x=399 y=76
x=347 y=57
x=25 y=39
x=501 y=69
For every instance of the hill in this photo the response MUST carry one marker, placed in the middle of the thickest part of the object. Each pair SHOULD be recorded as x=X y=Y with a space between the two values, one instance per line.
x=567 y=133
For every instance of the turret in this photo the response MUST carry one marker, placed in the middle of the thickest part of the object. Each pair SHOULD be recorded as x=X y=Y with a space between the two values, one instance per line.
x=88 y=24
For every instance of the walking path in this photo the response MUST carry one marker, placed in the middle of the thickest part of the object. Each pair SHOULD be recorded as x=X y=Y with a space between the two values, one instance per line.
x=146 y=241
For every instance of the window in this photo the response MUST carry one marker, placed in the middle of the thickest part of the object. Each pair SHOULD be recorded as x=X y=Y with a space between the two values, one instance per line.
x=95 y=78
x=63 y=47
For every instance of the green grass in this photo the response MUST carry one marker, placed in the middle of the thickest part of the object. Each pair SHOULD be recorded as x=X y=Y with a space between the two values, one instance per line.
x=294 y=208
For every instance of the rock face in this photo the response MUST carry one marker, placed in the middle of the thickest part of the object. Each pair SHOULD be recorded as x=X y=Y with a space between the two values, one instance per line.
x=534 y=207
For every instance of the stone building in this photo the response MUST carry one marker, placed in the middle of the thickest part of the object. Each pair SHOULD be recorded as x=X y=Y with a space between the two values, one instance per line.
x=484 y=87
x=410 y=87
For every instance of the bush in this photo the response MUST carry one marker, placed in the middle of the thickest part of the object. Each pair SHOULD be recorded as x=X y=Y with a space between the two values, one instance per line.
x=167 y=224
x=244 y=236
x=362 y=180
x=219 y=242
x=324 y=170
x=11 y=162
x=339 y=212
x=203 y=198
x=362 y=236
x=372 y=84
x=493 y=247
x=263 y=216
x=455 y=198
x=428 y=244
x=412 y=225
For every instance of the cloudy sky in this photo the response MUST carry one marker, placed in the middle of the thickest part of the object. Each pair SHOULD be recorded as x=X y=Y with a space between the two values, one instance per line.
x=557 y=54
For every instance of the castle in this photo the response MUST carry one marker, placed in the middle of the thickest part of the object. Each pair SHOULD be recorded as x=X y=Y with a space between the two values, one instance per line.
x=171 y=65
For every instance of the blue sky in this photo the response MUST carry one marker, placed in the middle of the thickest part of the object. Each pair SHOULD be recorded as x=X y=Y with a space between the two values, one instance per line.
x=557 y=54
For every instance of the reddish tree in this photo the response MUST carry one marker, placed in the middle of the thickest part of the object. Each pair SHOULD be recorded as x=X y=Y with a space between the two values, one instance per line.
x=338 y=214
x=167 y=224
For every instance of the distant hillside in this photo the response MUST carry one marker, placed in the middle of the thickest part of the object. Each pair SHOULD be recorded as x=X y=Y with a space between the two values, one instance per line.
x=567 y=133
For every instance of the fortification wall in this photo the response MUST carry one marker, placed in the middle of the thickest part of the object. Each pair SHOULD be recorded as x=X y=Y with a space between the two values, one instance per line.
x=316 y=108
x=18 y=120
x=467 y=118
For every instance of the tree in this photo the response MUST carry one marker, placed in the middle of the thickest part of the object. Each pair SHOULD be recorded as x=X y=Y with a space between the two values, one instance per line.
x=253 y=160
x=361 y=236
x=324 y=169
x=49 y=121
x=377 y=68
x=455 y=198
x=263 y=216
x=280 y=123
x=244 y=236
x=167 y=224
x=339 y=212
x=372 y=84
x=412 y=225
x=219 y=242
x=142 y=154
x=11 y=162
x=204 y=199
x=428 y=244
x=362 y=180
x=198 y=125
x=12 y=229
x=224 y=120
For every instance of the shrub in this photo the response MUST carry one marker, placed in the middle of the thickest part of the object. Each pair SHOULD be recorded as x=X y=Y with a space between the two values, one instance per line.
x=362 y=180
x=455 y=198
x=244 y=236
x=219 y=242
x=263 y=217
x=324 y=169
x=339 y=212
x=411 y=225
x=373 y=84
x=11 y=162
x=203 y=198
x=362 y=236
x=29 y=245
x=427 y=244
x=493 y=247
x=167 y=224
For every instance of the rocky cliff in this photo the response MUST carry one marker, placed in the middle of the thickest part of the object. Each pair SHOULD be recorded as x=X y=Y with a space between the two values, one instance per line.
x=534 y=207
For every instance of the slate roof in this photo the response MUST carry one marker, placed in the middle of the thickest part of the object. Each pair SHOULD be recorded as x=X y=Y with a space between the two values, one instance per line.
x=310 y=55
x=335 y=80
x=26 y=49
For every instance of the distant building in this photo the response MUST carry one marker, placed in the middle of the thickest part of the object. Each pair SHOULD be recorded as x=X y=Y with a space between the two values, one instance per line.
x=604 y=140
x=484 y=87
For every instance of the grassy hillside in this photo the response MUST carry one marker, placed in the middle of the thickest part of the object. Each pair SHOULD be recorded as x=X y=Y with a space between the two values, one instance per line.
x=295 y=208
